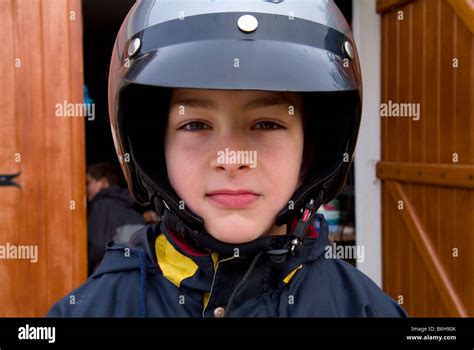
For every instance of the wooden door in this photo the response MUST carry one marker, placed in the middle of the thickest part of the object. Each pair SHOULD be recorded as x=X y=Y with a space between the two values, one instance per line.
x=427 y=164
x=40 y=69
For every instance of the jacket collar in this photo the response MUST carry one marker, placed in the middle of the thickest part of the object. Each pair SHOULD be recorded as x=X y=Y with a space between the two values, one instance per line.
x=144 y=242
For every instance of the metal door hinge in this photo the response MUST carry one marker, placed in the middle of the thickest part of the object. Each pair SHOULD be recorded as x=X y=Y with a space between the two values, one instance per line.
x=7 y=180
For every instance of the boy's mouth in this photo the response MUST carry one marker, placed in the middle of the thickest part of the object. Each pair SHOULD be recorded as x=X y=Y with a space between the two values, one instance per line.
x=233 y=199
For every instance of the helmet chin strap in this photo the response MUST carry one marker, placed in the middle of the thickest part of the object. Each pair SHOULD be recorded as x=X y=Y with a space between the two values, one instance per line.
x=304 y=222
x=279 y=248
x=203 y=241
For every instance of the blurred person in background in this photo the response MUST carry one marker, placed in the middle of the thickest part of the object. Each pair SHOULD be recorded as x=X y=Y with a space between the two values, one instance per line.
x=111 y=215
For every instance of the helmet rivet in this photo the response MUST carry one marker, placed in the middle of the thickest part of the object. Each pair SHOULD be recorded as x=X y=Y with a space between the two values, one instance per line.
x=247 y=23
x=134 y=46
x=349 y=50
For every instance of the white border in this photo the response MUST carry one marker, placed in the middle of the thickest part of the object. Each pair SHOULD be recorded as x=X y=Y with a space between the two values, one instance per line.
x=366 y=24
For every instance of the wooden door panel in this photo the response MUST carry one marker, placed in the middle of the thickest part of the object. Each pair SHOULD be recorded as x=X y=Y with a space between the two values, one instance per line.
x=41 y=66
x=428 y=58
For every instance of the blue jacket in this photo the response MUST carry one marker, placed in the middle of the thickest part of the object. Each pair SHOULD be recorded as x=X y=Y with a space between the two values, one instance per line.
x=155 y=275
x=111 y=214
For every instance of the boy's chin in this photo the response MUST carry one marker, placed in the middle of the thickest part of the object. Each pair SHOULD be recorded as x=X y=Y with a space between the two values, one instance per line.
x=235 y=233
x=232 y=238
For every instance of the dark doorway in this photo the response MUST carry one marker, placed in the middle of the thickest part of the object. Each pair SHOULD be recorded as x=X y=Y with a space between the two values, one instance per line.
x=102 y=20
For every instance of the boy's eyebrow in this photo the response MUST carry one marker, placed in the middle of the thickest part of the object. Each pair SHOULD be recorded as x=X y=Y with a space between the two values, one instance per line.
x=269 y=101
x=260 y=102
x=194 y=102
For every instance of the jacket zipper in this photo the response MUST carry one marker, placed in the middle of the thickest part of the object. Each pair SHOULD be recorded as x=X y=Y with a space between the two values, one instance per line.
x=213 y=280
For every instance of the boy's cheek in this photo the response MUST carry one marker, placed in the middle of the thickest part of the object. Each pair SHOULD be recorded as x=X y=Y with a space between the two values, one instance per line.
x=182 y=155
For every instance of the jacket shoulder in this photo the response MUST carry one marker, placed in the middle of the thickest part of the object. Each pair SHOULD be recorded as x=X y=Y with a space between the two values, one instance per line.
x=335 y=288
x=103 y=296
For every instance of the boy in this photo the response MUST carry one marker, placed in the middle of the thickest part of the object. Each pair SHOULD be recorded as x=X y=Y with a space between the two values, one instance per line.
x=237 y=120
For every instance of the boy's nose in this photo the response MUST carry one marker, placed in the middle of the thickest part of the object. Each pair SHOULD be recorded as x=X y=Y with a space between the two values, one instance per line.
x=233 y=155
x=231 y=168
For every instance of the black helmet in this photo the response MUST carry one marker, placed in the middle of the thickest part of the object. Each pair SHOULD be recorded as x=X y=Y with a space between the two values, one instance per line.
x=283 y=45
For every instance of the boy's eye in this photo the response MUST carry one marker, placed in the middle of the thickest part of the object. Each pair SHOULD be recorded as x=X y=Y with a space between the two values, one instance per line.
x=266 y=125
x=194 y=126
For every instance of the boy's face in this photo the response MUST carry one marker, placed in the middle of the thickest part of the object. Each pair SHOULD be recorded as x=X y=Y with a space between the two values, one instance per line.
x=234 y=157
x=95 y=186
